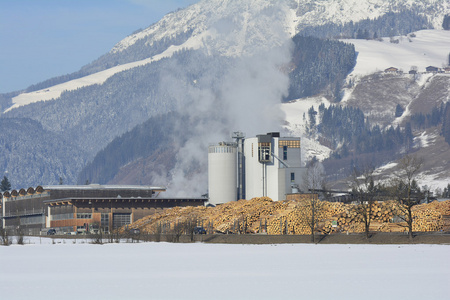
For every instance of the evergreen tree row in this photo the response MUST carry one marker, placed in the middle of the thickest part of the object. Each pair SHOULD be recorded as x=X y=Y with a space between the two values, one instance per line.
x=439 y=116
x=424 y=121
x=349 y=132
x=390 y=24
x=140 y=142
x=446 y=123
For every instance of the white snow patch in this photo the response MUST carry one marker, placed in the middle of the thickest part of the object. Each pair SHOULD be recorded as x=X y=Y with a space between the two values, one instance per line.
x=295 y=126
x=433 y=181
x=312 y=148
x=215 y=271
x=55 y=92
x=384 y=168
x=294 y=111
x=425 y=139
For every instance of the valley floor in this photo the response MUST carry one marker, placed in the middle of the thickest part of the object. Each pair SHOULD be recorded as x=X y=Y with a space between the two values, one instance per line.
x=47 y=268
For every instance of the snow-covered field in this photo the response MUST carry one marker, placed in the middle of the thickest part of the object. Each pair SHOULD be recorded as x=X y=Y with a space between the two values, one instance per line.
x=65 y=270
x=427 y=48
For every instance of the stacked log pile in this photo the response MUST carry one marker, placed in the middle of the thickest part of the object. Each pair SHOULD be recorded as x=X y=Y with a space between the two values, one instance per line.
x=262 y=215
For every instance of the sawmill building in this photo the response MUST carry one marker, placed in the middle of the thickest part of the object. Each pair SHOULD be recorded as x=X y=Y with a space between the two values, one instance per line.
x=77 y=209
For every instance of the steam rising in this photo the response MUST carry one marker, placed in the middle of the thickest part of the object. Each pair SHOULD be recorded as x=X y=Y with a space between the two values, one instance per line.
x=227 y=92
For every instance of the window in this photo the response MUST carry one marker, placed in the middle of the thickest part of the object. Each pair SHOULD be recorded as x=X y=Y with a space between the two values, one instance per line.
x=292 y=177
x=264 y=152
x=120 y=220
x=289 y=143
x=284 y=152
x=84 y=216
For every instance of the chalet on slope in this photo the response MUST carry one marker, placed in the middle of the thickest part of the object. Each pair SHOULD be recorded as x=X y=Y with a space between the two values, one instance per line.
x=431 y=69
x=391 y=70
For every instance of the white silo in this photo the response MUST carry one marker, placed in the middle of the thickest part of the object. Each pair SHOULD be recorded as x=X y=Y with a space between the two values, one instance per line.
x=222 y=173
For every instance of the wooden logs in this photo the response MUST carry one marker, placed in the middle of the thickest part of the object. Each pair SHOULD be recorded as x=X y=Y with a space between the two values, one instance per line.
x=262 y=215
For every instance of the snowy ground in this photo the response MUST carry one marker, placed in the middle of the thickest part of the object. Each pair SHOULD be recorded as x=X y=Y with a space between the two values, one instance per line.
x=427 y=48
x=295 y=125
x=204 y=271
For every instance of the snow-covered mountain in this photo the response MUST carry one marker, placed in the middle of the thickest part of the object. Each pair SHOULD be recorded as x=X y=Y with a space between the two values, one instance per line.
x=233 y=28
x=223 y=64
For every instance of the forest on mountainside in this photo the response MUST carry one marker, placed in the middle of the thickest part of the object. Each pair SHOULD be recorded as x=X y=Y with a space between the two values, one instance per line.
x=32 y=155
x=446 y=123
x=347 y=131
x=388 y=25
x=319 y=65
x=357 y=144
x=156 y=134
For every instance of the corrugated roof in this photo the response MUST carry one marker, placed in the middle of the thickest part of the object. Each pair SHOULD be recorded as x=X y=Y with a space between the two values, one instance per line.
x=105 y=187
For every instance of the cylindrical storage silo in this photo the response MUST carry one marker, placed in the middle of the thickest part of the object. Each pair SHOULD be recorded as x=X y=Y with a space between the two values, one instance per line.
x=222 y=173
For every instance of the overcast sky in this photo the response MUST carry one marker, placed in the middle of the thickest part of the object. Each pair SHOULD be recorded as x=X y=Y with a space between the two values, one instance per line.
x=40 y=39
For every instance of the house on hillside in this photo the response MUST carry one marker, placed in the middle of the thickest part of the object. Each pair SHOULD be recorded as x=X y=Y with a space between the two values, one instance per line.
x=391 y=70
x=447 y=70
x=431 y=69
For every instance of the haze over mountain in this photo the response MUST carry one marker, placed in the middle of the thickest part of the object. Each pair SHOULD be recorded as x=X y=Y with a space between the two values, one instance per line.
x=217 y=67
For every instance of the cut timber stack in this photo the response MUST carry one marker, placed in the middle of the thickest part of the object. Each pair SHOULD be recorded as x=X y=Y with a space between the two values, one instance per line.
x=294 y=217
x=429 y=217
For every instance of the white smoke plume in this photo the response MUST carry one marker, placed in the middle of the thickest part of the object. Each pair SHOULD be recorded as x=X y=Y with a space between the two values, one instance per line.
x=243 y=93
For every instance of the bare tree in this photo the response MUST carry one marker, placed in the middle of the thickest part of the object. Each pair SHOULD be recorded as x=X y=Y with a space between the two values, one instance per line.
x=311 y=208
x=4 y=237
x=174 y=234
x=405 y=190
x=363 y=188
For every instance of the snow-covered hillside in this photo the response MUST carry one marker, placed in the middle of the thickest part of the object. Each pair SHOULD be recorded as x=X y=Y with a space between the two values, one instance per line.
x=421 y=49
x=320 y=12
x=295 y=126
x=55 y=92
x=235 y=28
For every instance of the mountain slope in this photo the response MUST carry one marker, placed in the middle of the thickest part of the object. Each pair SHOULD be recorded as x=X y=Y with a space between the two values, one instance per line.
x=230 y=28
x=34 y=156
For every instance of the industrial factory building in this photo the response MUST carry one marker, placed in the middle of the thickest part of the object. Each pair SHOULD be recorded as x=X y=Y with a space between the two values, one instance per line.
x=71 y=209
x=262 y=166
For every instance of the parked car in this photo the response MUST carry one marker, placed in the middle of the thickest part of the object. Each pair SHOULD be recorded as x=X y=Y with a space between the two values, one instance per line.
x=51 y=231
x=199 y=230
x=135 y=231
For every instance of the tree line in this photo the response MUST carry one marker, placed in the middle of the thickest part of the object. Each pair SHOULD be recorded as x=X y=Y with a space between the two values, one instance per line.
x=390 y=24
x=348 y=131
x=402 y=188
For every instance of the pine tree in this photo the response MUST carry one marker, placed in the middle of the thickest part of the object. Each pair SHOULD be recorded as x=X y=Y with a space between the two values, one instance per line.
x=399 y=111
x=446 y=123
x=409 y=137
x=446 y=23
x=5 y=185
